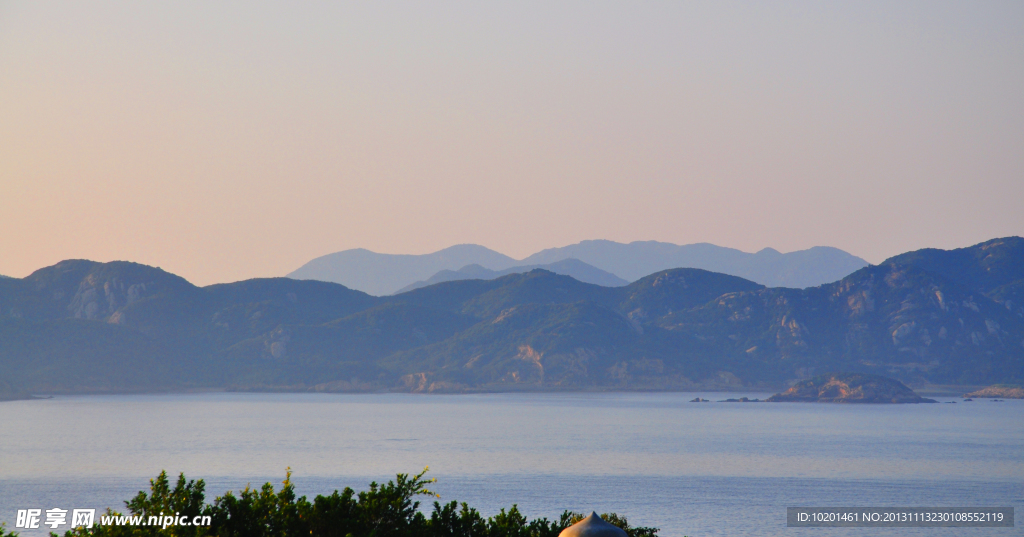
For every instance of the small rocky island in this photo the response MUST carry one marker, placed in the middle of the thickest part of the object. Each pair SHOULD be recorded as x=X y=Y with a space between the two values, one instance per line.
x=999 y=391
x=849 y=388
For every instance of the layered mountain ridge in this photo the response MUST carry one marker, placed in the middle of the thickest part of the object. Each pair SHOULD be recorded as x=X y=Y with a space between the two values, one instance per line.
x=566 y=267
x=82 y=326
x=595 y=261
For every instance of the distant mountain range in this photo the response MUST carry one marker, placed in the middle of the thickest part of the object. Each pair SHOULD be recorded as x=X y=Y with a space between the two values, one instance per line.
x=925 y=316
x=567 y=267
x=384 y=274
x=800 y=269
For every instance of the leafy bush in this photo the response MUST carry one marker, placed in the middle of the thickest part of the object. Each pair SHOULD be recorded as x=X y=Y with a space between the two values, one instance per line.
x=388 y=510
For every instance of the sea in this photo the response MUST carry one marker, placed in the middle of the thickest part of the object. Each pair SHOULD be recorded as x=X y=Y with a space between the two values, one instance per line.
x=689 y=468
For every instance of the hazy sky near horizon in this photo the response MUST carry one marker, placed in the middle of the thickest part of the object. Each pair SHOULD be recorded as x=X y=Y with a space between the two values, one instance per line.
x=224 y=141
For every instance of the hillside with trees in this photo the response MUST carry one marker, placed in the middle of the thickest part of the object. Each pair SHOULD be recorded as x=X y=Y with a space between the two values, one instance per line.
x=390 y=509
x=82 y=326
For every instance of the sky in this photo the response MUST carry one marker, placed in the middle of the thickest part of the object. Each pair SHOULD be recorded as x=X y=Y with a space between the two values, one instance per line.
x=230 y=140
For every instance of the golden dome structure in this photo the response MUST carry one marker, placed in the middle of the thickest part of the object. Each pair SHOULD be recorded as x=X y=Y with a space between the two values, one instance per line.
x=592 y=526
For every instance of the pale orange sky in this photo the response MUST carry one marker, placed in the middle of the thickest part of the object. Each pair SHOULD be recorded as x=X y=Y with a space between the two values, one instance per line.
x=224 y=141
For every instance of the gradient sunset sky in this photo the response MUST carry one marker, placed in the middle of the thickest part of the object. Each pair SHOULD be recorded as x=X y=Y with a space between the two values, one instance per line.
x=224 y=141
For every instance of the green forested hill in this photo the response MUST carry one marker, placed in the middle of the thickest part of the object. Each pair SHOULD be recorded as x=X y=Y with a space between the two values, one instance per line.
x=86 y=326
x=995 y=268
x=981 y=267
x=890 y=319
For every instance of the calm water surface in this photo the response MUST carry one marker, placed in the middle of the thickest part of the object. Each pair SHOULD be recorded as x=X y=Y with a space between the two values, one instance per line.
x=688 y=468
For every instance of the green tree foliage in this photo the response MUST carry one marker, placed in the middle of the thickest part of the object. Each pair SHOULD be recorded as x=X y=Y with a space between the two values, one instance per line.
x=388 y=510
x=187 y=499
x=449 y=520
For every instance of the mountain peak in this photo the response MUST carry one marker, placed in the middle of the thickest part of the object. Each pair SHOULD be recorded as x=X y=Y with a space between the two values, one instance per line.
x=984 y=266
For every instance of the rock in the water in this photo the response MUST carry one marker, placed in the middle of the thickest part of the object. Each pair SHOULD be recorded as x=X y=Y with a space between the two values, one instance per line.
x=1005 y=391
x=593 y=526
x=849 y=388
